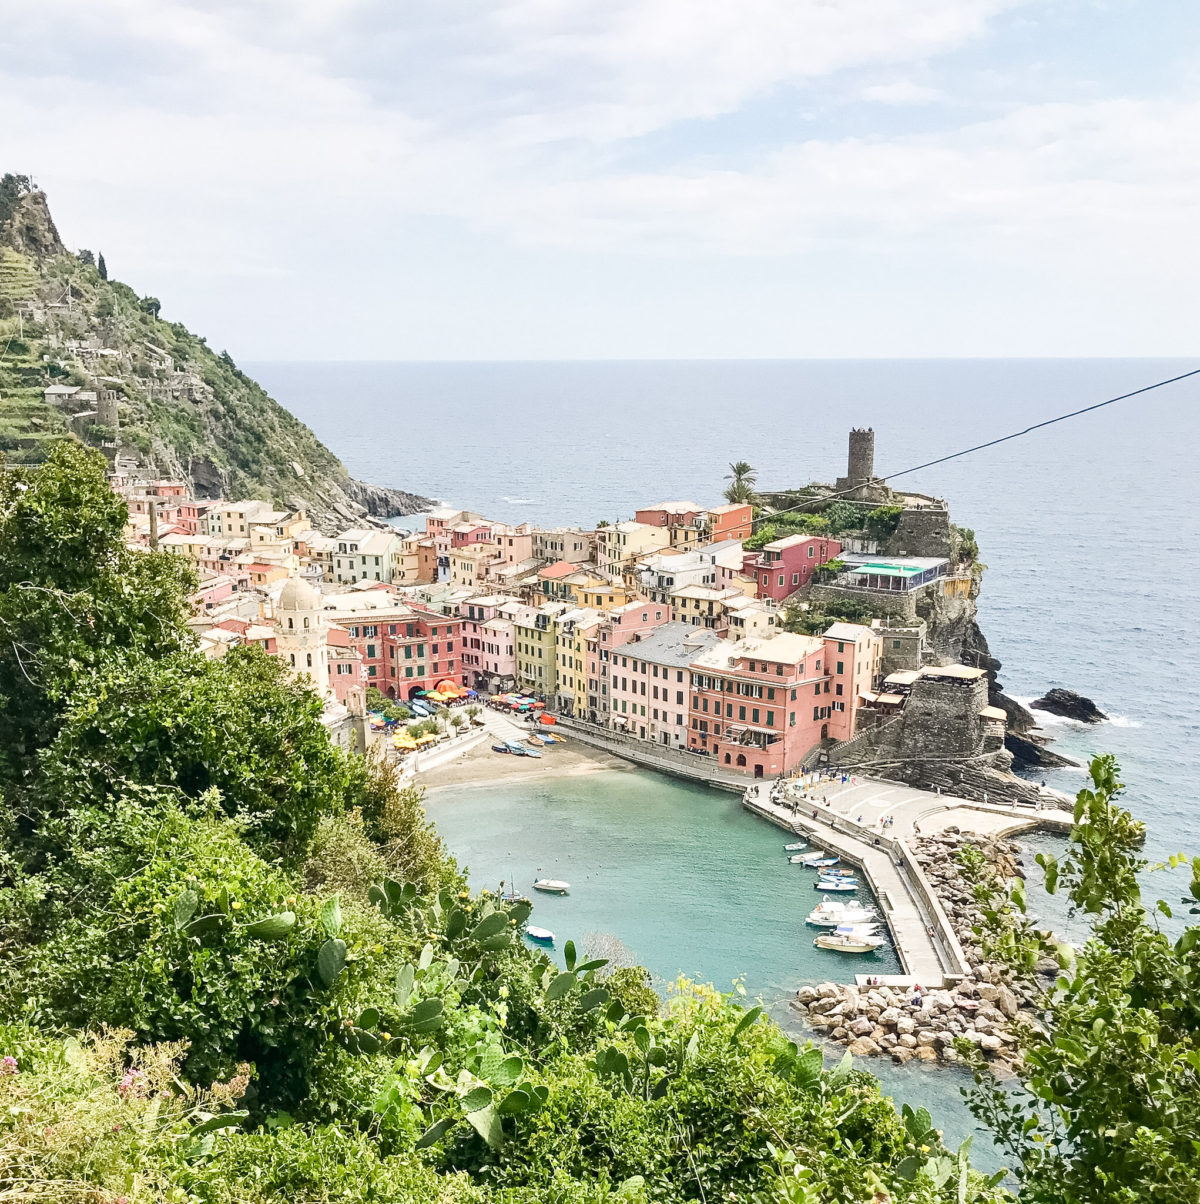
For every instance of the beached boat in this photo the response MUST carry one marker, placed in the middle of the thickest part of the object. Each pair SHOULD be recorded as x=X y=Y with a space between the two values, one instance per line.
x=829 y=913
x=551 y=886
x=500 y=748
x=819 y=860
x=850 y=938
x=533 y=752
x=518 y=750
x=543 y=936
x=798 y=847
x=836 y=885
x=536 y=741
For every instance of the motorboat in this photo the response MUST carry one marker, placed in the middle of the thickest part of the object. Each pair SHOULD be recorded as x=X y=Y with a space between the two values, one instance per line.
x=850 y=938
x=552 y=886
x=543 y=936
x=819 y=860
x=836 y=885
x=796 y=859
x=838 y=873
x=829 y=913
x=798 y=847
x=826 y=877
x=500 y=748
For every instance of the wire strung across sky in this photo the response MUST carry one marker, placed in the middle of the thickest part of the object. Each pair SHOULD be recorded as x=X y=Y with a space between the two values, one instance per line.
x=1037 y=426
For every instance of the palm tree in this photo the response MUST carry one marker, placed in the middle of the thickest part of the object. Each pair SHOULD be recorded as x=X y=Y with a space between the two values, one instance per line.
x=741 y=480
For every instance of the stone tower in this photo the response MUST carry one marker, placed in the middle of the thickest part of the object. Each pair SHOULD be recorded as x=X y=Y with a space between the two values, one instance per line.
x=300 y=633
x=860 y=465
x=107 y=411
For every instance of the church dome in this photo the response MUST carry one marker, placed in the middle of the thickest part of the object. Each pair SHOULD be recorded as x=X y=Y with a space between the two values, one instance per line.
x=298 y=595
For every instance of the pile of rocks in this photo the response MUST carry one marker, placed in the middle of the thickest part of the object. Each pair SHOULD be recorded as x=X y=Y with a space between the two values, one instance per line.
x=874 y=1020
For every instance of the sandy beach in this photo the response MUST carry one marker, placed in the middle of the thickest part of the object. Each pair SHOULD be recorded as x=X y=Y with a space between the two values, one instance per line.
x=480 y=766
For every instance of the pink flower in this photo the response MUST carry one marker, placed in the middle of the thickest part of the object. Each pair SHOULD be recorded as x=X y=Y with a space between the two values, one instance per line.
x=134 y=1083
x=8 y=1064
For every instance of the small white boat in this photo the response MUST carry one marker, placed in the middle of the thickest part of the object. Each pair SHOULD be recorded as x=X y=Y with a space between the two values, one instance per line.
x=543 y=936
x=552 y=886
x=833 y=885
x=850 y=938
x=798 y=847
x=796 y=859
x=829 y=913
x=818 y=860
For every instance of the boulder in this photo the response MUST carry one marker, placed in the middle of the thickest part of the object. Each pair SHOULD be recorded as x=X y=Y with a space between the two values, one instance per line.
x=989 y=992
x=889 y=1015
x=806 y=994
x=901 y=1055
x=862 y=1047
x=886 y=1041
x=926 y=1036
x=1069 y=705
x=906 y=1024
x=926 y=1053
x=827 y=990
x=1006 y=1001
x=990 y=1042
x=861 y=1027
x=907 y=1040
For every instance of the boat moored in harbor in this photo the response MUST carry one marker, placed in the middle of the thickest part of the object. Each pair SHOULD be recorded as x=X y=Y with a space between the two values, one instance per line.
x=829 y=913
x=850 y=938
x=543 y=936
x=551 y=886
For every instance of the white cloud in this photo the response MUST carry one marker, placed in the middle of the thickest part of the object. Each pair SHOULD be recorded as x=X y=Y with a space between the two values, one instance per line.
x=902 y=92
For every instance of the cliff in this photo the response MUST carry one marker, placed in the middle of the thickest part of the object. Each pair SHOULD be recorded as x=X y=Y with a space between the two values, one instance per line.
x=148 y=392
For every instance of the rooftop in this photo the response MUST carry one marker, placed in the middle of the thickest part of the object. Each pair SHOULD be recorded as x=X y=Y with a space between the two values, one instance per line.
x=674 y=644
x=847 y=631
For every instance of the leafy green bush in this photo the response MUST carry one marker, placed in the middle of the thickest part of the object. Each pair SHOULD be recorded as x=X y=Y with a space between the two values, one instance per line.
x=881 y=523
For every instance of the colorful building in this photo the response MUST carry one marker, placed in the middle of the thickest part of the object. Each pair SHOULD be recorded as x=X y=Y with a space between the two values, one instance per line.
x=535 y=645
x=619 y=547
x=574 y=629
x=650 y=683
x=854 y=660
x=686 y=523
x=785 y=565
x=489 y=662
x=732 y=522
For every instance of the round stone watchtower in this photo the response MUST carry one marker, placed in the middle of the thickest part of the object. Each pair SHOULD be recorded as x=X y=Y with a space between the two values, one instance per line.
x=860 y=465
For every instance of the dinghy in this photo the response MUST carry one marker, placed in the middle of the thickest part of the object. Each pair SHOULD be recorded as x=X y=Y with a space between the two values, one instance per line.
x=552 y=886
x=819 y=860
x=836 y=885
x=798 y=847
x=543 y=936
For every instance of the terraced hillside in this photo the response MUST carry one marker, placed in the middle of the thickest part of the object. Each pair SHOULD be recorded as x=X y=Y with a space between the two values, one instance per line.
x=147 y=391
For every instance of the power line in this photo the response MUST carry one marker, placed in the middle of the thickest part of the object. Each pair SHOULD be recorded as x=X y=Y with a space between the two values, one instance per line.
x=1037 y=426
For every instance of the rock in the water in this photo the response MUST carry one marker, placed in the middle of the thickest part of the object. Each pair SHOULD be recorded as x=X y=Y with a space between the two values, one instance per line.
x=1032 y=753
x=862 y=1047
x=1069 y=705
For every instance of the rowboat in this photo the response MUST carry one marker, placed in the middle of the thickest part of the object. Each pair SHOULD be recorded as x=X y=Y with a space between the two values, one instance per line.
x=796 y=859
x=536 y=741
x=836 y=885
x=819 y=860
x=838 y=873
x=798 y=847
x=850 y=938
x=518 y=750
x=543 y=936
x=500 y=748
x=829 y=913
x=552 y=886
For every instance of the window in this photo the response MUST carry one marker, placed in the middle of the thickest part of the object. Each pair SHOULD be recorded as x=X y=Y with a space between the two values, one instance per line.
x=679 y=698
x=408 y=670
x=770 y=719
x=371 y=630
x=810 y=551
x=370 y=670
x=817 y=688
x=792 y=719
x=781 y=576
x=754 y=715
x=816 y=712
x=370 y=651
x=896 y=644
x=408 y=652
x=839 y=689
x=741 y=713
x=839 y=666
x=679 y=675
x=290 y=624
x=795 y=578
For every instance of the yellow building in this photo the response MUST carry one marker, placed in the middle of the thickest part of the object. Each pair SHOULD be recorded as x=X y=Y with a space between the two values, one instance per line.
x=535 y=647
x=593 y=591
x=469 y=565
x=574 y=629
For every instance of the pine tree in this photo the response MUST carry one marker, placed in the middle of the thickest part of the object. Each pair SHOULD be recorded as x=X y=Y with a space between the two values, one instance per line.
x=101 y=266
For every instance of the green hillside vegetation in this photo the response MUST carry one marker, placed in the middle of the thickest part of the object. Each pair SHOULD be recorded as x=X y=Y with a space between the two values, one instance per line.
x=184 y=410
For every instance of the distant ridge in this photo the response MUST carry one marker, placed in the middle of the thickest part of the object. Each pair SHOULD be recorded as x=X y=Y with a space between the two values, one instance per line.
x=147 y=392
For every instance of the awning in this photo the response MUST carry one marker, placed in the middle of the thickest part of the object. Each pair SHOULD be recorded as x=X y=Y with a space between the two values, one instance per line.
x=435 y=696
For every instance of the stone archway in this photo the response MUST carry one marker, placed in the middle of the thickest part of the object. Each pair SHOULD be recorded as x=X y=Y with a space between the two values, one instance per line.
x=741 y=760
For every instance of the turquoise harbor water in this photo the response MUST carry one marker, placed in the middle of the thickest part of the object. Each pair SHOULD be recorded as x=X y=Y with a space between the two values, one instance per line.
x=1089 y=529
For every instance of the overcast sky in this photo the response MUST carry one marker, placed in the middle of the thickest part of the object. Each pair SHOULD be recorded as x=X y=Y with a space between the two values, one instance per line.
x=560 y=179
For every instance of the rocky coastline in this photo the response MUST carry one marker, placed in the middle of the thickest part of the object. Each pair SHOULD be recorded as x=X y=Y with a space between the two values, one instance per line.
x=908 y=1023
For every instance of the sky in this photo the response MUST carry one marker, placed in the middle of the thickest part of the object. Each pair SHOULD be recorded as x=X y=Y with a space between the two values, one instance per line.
x=595 y=179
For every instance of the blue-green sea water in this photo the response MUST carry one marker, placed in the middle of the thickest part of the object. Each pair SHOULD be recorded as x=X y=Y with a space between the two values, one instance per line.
x=685 y=879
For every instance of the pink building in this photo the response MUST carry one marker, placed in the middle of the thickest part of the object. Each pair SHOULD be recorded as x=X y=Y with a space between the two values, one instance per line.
x=760 y=705
x=786 y=564
x=489 y=663
x=650 y=683
x=622 y=625
x=853 y=658
x=347 y=673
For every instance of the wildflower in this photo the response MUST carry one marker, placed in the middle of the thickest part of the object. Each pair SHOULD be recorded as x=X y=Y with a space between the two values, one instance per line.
x=236 y=905
x=134 y=1083
x=8 y=1064
x=386 y=1036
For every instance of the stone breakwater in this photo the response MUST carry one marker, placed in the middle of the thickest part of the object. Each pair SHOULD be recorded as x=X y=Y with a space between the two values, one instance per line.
x=907 y=1022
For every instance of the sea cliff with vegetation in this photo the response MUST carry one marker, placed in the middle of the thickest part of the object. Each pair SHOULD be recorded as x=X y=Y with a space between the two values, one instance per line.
x=155 y=394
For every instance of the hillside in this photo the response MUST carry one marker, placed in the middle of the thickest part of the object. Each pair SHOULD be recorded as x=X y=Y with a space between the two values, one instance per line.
x=149 y=393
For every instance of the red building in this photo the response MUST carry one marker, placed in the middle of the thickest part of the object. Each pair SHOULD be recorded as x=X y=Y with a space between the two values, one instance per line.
x=734 y=521
x=784 y=565
x=404 y=648
x=760 y=705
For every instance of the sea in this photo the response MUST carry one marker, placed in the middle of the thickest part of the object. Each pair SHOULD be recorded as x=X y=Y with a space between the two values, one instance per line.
x=1089 y=529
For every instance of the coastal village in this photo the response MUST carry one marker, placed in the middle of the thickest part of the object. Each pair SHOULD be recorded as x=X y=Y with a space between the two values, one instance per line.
x=675 y=630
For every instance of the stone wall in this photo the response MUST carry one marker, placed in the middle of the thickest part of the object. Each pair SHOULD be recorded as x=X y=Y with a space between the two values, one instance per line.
x=883 y=603
x=921 y=532
x=941 y=717
x=902 y=646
